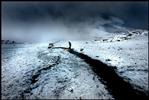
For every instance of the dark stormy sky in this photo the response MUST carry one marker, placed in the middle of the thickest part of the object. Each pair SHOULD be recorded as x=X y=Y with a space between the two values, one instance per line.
x=42 y=21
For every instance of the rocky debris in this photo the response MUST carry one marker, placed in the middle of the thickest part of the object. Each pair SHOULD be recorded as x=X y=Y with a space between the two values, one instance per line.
x=10 y=42
x=81 y=49
x=108 y=59
x=138 y=33
x=116 y=38
x=120 y=49
x=145 y=33
x=122 y=36
x=105 y=40
x=50 y=45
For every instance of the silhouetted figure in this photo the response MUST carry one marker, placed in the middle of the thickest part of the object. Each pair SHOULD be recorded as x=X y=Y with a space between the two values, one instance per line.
x=69 y=45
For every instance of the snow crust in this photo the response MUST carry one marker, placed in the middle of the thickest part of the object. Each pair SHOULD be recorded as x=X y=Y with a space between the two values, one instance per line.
x=33 y=71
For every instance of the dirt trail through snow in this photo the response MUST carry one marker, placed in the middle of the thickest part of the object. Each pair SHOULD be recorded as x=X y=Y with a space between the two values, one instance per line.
x=42 y=73
x=119 y=88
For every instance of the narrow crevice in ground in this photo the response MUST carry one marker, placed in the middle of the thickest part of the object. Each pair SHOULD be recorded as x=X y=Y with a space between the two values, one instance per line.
x=116 y=85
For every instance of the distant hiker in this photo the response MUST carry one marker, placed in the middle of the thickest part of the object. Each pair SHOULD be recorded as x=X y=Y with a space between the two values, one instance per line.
x=51 y=45
x=69 y=45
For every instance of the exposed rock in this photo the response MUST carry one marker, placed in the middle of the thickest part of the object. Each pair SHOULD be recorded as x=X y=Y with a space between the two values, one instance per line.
x=9 y=42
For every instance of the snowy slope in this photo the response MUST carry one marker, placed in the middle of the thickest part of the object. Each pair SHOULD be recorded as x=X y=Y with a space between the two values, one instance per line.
x=33 y=71
x=128 y=53
x=27 y=75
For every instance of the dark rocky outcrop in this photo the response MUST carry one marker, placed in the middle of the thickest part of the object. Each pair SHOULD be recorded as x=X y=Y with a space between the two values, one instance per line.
x=9 y=42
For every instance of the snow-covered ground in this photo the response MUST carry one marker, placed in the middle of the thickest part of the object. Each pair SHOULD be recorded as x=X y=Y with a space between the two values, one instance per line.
x=71 y=77
x=34 y=71
x=129 y=54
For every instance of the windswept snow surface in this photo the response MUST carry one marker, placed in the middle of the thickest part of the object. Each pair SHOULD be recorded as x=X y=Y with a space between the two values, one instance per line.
x=127 y=53
x=32 y=71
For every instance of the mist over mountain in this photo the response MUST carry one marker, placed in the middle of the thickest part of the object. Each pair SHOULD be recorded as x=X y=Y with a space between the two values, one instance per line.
x=43 y=21
x=74 y=50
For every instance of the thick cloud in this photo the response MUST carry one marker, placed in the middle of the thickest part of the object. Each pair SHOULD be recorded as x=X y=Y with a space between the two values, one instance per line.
x=32 y=16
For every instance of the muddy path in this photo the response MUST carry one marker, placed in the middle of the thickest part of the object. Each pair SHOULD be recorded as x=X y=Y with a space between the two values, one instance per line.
x=63 y=73
x=59 y=75
x=66 y=83
x=120 y=89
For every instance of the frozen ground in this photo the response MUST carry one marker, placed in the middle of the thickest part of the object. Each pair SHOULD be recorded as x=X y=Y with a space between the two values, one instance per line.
x=129 y=54
x=34 y=71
